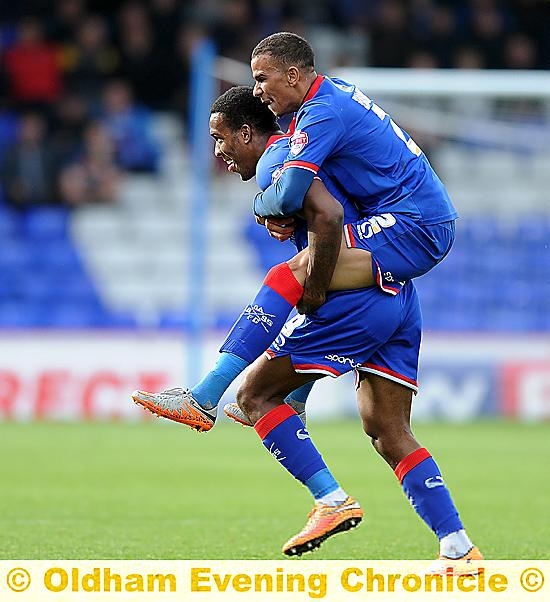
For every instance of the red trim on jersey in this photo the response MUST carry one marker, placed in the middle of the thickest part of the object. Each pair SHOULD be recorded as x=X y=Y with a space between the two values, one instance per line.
x=410 y=461
x=319 y=367
x=273 y=419
x=291 y=126
x=272 y=139
x=391 y=373
x=314 y=88
x=303 y=164
x=270 y=354
x=281 y=279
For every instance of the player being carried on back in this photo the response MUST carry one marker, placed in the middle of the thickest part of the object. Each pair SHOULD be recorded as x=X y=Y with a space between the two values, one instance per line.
x=397 y=211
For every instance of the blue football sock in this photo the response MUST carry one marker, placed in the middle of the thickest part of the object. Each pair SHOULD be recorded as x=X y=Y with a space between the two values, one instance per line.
x=210 y=389
x=321 y=483
x=423 y=485
x=262 y=320
x=284 y=436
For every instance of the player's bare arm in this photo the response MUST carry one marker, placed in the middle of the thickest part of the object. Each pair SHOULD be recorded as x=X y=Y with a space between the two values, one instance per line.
x=324 y=217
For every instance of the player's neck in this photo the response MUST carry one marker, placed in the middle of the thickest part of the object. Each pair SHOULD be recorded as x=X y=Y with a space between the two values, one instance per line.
x=309 y=80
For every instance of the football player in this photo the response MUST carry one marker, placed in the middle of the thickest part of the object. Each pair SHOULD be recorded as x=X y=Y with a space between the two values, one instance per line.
x=373 y=332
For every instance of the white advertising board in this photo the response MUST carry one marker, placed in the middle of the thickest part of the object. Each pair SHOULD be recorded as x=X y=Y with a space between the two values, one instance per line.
x=89 y=375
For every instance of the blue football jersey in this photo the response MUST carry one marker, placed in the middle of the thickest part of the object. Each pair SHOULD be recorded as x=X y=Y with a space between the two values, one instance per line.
x=363 y=152
x=269 y=169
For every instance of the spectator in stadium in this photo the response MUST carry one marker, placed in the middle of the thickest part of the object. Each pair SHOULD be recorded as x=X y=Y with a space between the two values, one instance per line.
x=90 y=58
x=68 y=14
x=33 y=68
x=391 y=39
x=70 y=118
x=130 y=127
x=145 y=64
x=93 y=178
x=384 y=400
x=28 y=171
x=488 y=33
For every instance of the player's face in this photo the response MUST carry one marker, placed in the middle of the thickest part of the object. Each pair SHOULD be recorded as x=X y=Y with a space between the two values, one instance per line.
x=272 y=85
x=234 y=147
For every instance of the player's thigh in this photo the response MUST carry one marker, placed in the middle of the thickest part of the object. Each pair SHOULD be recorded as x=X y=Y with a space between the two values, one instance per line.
x=272 y=379
x=384 y=405
x=353 y=268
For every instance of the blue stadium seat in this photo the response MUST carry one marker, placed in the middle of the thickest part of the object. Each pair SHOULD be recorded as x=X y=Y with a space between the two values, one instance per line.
x=9 y=224
x=69 y=314
x=119 y=320
x=45 y=223
x=21 y=314
x=59 y=254
x=175 y=319
x=37 y=286
x=15 y=254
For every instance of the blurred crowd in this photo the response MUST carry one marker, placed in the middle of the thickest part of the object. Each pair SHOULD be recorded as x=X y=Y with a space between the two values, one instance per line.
x=81 y=78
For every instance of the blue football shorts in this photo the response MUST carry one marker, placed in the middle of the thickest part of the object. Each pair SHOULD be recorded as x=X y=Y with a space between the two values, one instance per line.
x=401 y=248
x=363 y=329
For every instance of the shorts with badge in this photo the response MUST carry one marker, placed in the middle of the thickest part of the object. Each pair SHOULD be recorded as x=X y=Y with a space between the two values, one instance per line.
x=364 y=329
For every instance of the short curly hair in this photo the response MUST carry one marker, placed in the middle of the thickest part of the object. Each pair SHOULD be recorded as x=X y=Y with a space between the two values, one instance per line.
x=288 y=49
x=239 y=106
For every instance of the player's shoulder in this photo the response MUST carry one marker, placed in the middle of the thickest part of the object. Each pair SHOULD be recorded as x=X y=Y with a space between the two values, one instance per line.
x=271 y=160
x=331 y=96
x=278 y=147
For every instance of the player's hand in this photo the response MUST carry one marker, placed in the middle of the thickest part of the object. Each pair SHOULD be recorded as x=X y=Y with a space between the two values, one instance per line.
x=311 y=300
x=280 y=228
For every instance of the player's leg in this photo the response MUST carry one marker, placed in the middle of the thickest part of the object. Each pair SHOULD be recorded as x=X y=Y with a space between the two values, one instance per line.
x=342 y=334
x=296 y=400
x=261 y=396
x=252 y=333
x=353 y=269
x=385 y=408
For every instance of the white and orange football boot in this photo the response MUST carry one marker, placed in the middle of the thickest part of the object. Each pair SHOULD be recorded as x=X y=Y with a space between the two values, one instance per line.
x=469 y=564
x=178 y=405
x=323 y=522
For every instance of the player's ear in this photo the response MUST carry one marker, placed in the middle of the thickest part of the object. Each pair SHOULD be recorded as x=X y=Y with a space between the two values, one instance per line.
x=246 y=133
x=292 y=75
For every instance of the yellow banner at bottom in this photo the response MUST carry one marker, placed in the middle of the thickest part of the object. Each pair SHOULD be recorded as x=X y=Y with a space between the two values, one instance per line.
x=280 y=581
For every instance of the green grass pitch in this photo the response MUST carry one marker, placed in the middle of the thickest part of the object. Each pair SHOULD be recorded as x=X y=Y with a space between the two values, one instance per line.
x=158 y=490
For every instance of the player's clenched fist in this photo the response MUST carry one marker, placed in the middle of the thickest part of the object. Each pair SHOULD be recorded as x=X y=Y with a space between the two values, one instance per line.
x=280 y=228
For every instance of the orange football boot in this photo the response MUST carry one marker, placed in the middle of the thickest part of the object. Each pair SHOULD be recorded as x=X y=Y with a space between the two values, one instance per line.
x=465 y=565
x=323 y=522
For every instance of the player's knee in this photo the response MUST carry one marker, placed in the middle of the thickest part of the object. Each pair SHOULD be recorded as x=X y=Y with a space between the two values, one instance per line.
x=298 y=265
x=385 y=435
x=246 y=399
x=371 y=426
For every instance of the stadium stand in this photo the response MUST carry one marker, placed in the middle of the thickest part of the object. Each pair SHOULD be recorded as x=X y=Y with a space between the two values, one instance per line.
x=121 y=261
